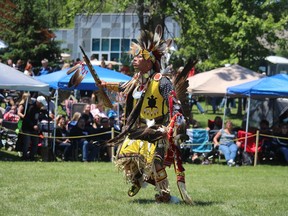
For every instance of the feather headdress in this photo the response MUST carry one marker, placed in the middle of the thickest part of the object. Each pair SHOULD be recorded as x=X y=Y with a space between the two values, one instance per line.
x=151 y=46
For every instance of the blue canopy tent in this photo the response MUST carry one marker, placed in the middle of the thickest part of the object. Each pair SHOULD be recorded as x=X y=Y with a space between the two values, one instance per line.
x=267 y=87
x=60 y=80
x=273 y=86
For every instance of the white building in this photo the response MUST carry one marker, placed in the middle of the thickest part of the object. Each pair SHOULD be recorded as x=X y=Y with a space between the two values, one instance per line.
x=106 y=35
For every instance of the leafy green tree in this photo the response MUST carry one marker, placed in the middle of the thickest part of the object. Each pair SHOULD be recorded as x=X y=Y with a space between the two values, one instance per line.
x=216 y=32
x=27 y=34
x=234 y=31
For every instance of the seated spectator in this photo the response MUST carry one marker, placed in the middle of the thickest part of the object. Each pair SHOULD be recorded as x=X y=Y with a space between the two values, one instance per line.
x=216 y=124
x=45 y=69
x=105 y=131
x=264 y=127
x=29 y=69
x=284 y=117
x=63 y=144
x=9 y=103
x=266 y=142
x=113 y=112
x=11 y=115
x=99 y=110
x=86 y=114
x=73 y=121
x=96 y=122
x=225 y=139
x=89 y=151
x=282 y=141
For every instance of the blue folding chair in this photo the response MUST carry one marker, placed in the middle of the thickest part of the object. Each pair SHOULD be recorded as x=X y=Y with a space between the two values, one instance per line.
x=198 y=140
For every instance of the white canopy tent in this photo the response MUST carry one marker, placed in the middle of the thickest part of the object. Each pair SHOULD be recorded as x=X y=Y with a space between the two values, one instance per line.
x=12 y=79
x=216 y=82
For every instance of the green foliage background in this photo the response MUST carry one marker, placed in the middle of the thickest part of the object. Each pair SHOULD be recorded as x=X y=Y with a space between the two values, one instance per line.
x=216 y=32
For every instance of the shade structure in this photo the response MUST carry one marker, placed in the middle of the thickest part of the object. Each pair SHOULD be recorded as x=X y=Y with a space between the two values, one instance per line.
x=216 y=82
x=60 y=80
x=266 y=87
x=96 y=62
x=12 y=79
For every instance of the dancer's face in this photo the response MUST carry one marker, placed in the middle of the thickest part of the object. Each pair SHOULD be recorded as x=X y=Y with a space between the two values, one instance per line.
x=142 y=65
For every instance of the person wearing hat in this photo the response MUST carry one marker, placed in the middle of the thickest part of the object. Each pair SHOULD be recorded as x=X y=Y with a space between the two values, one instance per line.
x=30 y=128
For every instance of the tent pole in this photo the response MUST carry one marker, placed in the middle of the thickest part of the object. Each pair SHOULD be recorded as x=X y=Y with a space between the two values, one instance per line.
x=225 y=104
x=247 y=122
x=56 y=113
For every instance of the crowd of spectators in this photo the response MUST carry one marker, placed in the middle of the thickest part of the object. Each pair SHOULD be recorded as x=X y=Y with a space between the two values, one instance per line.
x=79 y=135
x=91 y=127
x=21 y=107
x=273 y=143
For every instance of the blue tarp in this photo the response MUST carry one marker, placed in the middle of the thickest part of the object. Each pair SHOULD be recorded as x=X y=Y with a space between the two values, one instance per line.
x=60 y=80
x=271 y=87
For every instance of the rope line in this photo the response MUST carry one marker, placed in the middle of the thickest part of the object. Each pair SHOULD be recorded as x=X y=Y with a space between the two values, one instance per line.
x=67 y=137
x=107 y=132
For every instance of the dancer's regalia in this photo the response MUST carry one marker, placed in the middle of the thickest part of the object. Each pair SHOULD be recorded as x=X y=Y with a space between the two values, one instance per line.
x=155 y=120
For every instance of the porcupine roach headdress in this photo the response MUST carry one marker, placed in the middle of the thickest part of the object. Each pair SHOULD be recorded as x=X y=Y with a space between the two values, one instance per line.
x=151 y=47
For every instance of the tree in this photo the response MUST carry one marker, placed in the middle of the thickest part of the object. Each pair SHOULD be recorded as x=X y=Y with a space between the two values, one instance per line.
x=234 y=31
x=28 y=35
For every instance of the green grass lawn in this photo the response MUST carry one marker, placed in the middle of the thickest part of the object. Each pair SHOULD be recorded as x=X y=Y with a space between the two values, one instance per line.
x=203 y=118
x=75 y=188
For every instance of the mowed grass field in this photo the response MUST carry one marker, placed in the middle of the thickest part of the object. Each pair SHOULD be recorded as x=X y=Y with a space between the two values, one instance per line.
x=75 y=188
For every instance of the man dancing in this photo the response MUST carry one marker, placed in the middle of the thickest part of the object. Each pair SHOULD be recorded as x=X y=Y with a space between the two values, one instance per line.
x=155 y=123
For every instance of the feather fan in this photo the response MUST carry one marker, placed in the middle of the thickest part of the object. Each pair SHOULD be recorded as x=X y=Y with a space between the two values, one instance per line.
x=181 y=84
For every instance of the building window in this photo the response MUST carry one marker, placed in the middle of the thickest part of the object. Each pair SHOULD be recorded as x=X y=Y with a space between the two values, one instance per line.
x=114 y=57
x=95 y=44
x=96 y=55
x=105 y=45
x=115 y=45
x=125 y=45
x=104 y=57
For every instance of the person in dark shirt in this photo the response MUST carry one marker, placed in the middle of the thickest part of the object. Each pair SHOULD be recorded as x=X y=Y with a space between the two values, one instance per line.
x=102 y=134
x=62 y=144
x=89 y=151
x=86 y=114
x=282 y=142
x=30 y=128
